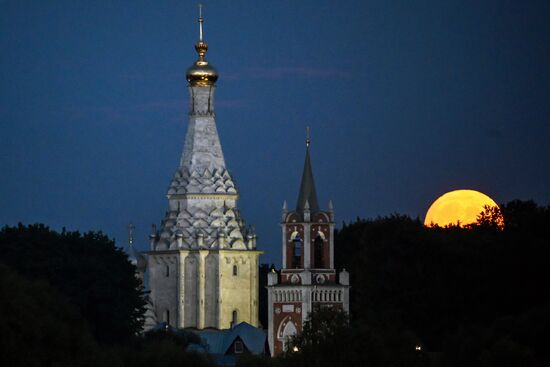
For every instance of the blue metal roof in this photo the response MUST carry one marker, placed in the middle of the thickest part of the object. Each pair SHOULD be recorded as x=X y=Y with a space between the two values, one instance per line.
x=219 y=341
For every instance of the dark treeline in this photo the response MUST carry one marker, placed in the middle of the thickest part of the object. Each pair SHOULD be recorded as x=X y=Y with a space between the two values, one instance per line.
x=469 y=296
x=466 y=296
x=474 y=296
x=72 y=299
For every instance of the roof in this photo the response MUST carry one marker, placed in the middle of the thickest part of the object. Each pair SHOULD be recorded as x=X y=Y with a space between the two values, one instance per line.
x=219 y=341
x=307 y=192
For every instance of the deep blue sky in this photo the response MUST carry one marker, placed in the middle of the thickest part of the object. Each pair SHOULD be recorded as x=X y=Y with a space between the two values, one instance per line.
x=406 y=100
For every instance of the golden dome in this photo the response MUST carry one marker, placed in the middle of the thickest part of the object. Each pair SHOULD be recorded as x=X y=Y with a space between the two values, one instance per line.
x=201 y=73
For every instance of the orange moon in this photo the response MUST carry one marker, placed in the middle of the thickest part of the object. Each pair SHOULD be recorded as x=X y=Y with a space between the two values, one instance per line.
x=459 y=206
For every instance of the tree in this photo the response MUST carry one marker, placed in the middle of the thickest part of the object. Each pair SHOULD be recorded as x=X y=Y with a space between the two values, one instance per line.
x=162 y=352
x=453 y=288
x=39 y=328
x=490 y=217
x=322 y=326
x=329 y=339
x=88 y=270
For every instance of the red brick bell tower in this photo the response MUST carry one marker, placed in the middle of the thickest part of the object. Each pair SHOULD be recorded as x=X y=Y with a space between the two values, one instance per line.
x=307 y=279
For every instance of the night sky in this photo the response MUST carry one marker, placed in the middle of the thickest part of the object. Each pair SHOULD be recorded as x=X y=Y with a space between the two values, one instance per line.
x=406 y=100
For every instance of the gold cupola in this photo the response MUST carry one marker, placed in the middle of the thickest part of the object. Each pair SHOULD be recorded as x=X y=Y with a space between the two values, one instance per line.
x=201 y=73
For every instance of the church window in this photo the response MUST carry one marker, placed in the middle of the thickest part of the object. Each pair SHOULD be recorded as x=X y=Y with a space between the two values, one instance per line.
x=234 y=318
x=238 y=347
x=167 y=317
x=288 y=332
x=235 y=270
x=318 y=248
x=167 y=273
x=297 y=263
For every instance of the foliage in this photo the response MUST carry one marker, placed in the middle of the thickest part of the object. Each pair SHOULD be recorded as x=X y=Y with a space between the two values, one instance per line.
x=472 y=296
x=490 y=218
x=88 y=270
x=329 y=339
x=39 y=328
x=161 y=353
x=322 y=326
x=176 y=336
x=252 y=360
x=83 y=290
x=455 y=288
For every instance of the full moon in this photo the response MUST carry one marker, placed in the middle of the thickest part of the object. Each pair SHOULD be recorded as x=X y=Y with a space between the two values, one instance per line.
x=459 y=206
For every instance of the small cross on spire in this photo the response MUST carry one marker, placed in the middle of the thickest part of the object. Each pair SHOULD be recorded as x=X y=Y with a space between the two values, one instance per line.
x=308 y=140
x=131 y=228
x=200 y=22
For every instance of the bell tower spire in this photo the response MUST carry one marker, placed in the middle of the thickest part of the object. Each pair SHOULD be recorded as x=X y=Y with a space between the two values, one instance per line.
x=307 y=193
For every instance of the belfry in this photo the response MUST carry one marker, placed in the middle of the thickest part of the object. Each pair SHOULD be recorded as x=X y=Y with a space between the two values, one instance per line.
x=307 y=280
x=203 y=262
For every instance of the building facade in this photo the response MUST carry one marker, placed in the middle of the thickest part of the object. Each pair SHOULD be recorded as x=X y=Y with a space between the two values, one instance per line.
x=307 y=280
x=203 y=263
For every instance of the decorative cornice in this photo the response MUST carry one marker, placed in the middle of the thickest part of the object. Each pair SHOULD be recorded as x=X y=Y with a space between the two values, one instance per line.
x=227 y=250
x=203 y=196
x=286 y=286
x=202 y=114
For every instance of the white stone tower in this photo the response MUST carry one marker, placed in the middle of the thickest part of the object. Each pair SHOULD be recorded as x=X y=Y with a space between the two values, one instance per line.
x=308 y=279
x=203 y=262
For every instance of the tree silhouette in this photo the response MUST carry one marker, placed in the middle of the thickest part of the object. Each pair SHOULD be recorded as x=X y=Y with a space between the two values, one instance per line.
x=453 y=288
x=88 y=270
x=39 y=328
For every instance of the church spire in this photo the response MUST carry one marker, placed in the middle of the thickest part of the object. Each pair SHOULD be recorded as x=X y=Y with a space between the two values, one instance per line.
x=135 y=257
x=201 y=73
x=307 y=195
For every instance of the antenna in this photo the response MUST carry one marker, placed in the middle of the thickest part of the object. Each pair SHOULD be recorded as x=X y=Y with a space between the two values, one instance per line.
x=308 y=140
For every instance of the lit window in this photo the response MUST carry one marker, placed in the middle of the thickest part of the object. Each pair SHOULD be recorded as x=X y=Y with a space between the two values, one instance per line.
x=235 y=270
x=239 y=347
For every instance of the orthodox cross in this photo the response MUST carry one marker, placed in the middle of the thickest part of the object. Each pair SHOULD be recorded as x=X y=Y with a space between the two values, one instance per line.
x=131 y=228
x=200 y=22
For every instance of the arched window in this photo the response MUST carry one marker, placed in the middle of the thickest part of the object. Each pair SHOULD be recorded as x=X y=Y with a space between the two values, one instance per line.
x=167 y=271
x=235 y=270
x=297 y=252
x=167 y=317
x=288 y=332
x=318 y=249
